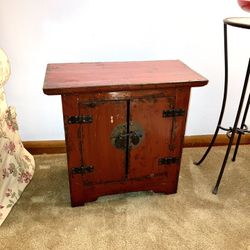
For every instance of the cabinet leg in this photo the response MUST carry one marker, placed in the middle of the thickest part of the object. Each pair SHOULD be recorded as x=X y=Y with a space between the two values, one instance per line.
x=83 y=201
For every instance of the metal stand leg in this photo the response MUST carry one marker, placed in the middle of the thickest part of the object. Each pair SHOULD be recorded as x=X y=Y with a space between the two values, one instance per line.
x=242 y=127
x=233 y=130
x=224 y=99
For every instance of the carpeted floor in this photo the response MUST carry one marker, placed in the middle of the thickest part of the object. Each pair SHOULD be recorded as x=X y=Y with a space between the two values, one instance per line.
x=193 y=218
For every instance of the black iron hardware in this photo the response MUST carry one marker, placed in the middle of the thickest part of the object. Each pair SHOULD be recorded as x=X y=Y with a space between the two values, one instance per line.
x=240 y=131
x=82 y=170
x=135 y=137
x=168 y=160
x=80 y=119
x=173 y=112
x=120 y=136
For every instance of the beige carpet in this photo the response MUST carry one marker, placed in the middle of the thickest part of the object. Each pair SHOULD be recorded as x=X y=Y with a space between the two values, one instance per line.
x=193 y=218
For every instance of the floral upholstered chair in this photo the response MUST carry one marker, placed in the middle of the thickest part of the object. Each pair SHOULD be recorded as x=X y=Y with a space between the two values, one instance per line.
x=16 y=163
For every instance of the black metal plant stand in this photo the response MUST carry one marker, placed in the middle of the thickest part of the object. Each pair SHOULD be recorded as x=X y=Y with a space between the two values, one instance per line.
x=240 y=22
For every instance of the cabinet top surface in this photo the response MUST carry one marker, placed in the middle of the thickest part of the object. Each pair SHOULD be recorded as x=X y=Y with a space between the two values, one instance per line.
x=63 y=78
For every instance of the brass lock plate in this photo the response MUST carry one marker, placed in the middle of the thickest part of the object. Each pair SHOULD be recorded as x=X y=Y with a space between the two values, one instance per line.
x=122 y=138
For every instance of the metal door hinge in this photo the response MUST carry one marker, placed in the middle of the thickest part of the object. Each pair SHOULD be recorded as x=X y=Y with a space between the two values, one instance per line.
x=168 y=160
x=80 y=119
x=173 y=112
x=82 y=170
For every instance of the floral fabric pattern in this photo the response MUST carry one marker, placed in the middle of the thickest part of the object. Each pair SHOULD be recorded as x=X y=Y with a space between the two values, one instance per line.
x=16 y=163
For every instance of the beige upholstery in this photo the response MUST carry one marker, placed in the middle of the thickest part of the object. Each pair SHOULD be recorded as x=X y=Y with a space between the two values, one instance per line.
x=4 y=68
x=4 y=76
x=16 y=163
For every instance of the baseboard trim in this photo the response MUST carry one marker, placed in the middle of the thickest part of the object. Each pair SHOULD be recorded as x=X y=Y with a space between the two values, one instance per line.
x=204 y=140
x=58 y=146
x=45 y=147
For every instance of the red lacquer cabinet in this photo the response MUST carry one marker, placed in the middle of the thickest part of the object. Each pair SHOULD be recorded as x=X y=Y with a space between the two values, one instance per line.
x=124 y=124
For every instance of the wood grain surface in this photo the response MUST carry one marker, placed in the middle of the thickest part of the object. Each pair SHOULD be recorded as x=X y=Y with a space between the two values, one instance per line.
x=115 y=76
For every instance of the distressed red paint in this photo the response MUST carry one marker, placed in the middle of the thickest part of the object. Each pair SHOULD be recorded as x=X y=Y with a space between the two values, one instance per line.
x=122 y=93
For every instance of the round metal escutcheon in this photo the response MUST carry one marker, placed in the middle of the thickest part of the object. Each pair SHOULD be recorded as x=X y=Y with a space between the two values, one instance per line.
x=120 y=135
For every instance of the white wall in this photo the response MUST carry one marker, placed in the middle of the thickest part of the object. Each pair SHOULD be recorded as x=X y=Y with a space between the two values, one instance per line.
x=34 y=33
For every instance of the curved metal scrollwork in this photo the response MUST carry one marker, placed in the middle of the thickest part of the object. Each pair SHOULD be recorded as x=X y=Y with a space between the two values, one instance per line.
x=242 y=131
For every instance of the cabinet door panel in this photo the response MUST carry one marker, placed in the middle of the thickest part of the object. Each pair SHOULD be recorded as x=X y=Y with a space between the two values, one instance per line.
x=97 y=149
x=157 y=139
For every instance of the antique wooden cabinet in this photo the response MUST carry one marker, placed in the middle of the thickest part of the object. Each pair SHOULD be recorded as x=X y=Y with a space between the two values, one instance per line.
x=124 y=124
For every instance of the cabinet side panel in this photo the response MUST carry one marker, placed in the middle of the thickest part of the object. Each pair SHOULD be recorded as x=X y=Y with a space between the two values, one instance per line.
x=179 y=125
x=182 y=102
x=73 y=146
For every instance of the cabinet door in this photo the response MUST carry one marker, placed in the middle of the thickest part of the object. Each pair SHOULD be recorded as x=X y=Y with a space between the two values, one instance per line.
x=107 y=161
x=157 y=137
